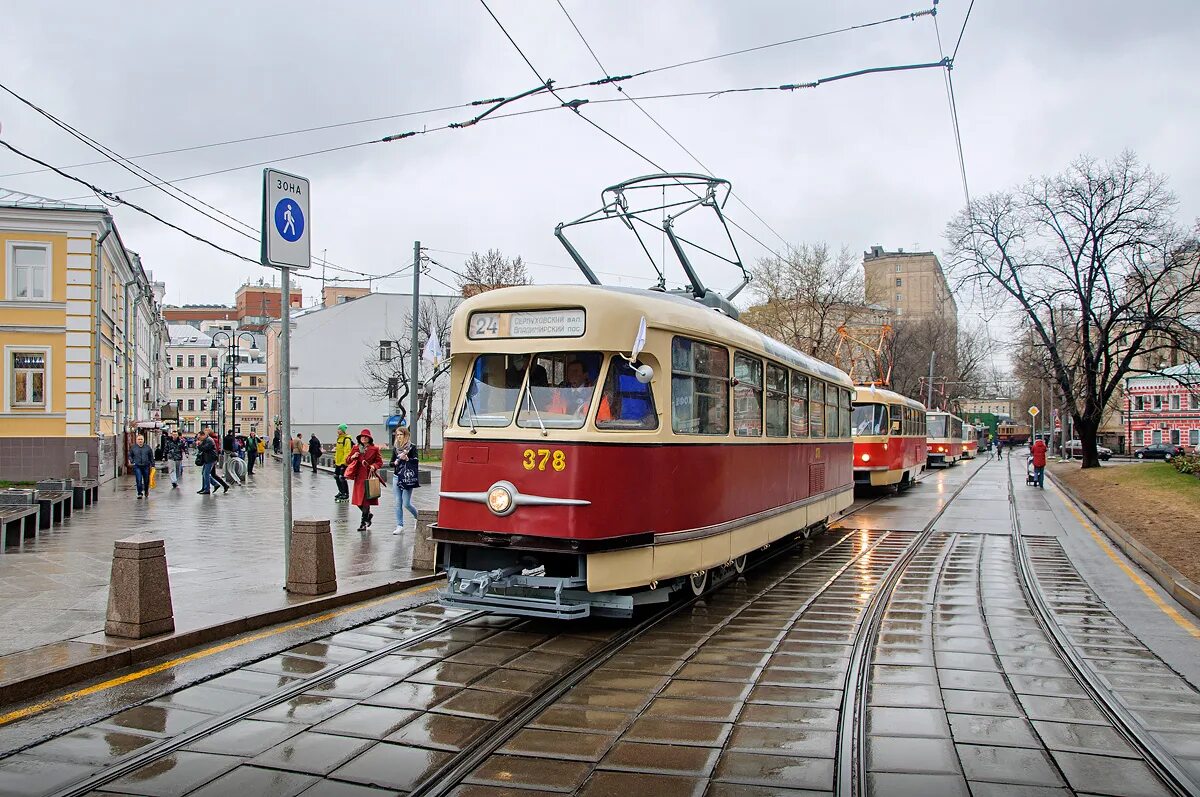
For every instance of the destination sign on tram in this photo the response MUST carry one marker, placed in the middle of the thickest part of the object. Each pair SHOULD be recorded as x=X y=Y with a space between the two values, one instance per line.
x=528 y=324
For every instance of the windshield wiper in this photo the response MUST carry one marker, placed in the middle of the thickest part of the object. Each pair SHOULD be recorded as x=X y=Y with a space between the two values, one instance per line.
x=536 y=414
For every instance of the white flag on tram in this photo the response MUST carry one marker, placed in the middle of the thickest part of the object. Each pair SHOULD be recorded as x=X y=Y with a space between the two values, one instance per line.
x=433 y=350
x=639 y=342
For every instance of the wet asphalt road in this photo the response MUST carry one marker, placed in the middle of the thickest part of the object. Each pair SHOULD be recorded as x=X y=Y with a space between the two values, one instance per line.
x=740 y=693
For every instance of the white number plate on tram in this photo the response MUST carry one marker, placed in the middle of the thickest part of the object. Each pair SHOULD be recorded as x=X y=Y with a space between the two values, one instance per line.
x=528 y=324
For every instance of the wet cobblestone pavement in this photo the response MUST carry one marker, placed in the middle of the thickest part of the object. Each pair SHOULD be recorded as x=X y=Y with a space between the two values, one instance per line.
x=965 y=690
x=225 y=553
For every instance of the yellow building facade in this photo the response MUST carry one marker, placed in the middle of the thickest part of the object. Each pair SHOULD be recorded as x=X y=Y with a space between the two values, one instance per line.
x=81 y=337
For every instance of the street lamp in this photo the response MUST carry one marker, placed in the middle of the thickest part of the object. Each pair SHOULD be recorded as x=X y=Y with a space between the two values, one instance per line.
x=232 y=348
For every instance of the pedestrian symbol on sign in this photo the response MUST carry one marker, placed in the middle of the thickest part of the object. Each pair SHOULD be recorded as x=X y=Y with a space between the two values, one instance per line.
x=289 y=220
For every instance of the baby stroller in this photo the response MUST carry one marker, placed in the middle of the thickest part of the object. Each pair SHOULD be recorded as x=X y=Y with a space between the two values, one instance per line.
x=1030 y=475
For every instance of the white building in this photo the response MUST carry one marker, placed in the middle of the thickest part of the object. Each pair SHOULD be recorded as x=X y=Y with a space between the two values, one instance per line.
x=338 y=354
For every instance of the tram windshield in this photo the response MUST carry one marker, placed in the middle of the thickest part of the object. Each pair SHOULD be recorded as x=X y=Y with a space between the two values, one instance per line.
x=561 y=386
x=937 y=426
x=870 y=419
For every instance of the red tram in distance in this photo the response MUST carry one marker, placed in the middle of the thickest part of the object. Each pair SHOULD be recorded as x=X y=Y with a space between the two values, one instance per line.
x=970 y=440
x=580 y=477
x=943 y=438
x=889 y=438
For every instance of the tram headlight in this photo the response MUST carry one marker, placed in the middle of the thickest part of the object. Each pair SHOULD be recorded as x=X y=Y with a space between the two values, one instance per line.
x=500 y=500
x=866 y=457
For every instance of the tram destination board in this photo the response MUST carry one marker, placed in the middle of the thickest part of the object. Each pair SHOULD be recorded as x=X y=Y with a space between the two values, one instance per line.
x=286 y=237
x=567 y=323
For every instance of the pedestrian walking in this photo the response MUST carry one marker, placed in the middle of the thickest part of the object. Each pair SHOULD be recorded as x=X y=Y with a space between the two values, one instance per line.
x=141 y=456
x=405 y=478
x=341 y=453
x=251 y=453
x=206 y=458
x=297 y=449
x=229 y=446
x=314 y=450
x=362 y=467
x=275 y=441
x=1038 y=450
x=173 y=449
x=999 y=448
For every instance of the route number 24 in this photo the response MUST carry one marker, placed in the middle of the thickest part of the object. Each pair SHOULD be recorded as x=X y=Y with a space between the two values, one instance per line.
x=539 y=458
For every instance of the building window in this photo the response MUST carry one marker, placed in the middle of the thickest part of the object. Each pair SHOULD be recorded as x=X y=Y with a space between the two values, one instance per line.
x=254 y=381
x=1174 y=437
x=1175 y=402
x=28 y=379
x=203 y=382
x=179 y=404
x=29 y=272
x=1139 y=402
x=203 y=405
x=898 y=267
x=179 y=383
x=1157 y=403
x=385 y=351
x=899 y=282
x=191 y=361
x=191 y=405
x=1157 y=436
x=899 y=297
x=1194 y=402
x=253 y=403
x=191 y=383
x=178 y=360
x=204 y=361
x=237 y=402
x=1194 y=438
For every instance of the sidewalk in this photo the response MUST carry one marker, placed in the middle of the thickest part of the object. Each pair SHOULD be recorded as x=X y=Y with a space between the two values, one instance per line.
x=224 y=555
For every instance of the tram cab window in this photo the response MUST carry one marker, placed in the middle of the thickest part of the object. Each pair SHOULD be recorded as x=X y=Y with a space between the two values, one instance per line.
x=869 y=419
x=799 y=410
x=562 y=401
x=491 y=395
x=816 y=408
x=777 y=401
x=625 y=403
x=699 y=387
x=937 y=425
x=747 y=396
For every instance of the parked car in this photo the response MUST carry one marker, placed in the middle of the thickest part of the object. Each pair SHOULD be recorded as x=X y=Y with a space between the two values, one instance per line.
x=1159 y=451
x=1074 y=448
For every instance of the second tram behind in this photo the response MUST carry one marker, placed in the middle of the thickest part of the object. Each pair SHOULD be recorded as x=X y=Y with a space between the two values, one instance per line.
x=943 y=438
x=577 y=482
x=970 y=440
x=889 y=438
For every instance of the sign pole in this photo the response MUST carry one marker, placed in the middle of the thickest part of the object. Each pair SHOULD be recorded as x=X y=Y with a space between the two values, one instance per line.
x=285 y=409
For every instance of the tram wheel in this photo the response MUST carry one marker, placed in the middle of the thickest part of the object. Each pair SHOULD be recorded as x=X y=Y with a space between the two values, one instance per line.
x=739 y=564
x=698 y=582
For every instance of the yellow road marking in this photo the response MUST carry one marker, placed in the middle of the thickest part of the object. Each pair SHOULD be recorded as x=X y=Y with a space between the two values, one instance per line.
x=38 y=708
x=1106 y=546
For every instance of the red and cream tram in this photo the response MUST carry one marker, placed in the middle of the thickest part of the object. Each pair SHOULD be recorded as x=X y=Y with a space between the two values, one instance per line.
x=943 y=438
x=970 y=441
x=889 y=438
x=575 y=482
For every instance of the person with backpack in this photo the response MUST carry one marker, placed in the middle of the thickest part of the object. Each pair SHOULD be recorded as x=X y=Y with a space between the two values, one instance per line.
x=341 y=453
x=406 y=479
x=314 y=450
x=206 y=458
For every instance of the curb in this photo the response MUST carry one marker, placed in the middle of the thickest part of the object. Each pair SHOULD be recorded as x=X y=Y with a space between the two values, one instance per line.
x=1182 y=589
x=38 y=683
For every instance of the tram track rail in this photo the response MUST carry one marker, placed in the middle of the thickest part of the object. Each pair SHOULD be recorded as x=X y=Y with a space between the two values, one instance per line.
x=850 y=768
x=448 y=777
x=165 y=747
x=1163 y=763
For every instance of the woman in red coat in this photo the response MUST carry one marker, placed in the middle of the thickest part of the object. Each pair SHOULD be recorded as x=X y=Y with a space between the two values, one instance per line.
x=363 y=463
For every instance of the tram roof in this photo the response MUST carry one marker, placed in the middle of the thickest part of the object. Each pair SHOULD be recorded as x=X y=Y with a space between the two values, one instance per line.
x=871 y=393
x=623 y=308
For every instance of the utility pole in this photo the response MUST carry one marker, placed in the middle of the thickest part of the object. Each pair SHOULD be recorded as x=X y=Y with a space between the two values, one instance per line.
x=285 y=408
x=929 y=387
x=414 y=355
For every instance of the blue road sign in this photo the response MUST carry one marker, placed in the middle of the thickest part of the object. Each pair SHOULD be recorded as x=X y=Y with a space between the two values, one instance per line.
x=289 y=219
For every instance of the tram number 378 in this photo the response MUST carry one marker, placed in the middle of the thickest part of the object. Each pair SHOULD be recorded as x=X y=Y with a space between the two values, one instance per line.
x=540 y=457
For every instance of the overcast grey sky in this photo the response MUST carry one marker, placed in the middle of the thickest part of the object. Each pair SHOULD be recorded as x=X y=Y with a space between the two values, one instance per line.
x=859 y=162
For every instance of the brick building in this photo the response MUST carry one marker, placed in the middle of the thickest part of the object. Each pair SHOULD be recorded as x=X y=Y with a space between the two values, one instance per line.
x=1164 y=407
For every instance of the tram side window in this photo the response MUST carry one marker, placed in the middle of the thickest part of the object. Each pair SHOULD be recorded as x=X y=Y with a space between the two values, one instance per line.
x=896 y=427
x=799 y=409
x=495 y=381
x=832 y=427
x=560 y=390
x=844 y=414
x=625 y=403
x=747 y=396
x=699 y=387
x=816 y=408
x=777 y=401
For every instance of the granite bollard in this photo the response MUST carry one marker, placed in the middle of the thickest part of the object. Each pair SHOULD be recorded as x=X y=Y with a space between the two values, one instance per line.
x=424 y=556
x=310 y=564
x=139 y=592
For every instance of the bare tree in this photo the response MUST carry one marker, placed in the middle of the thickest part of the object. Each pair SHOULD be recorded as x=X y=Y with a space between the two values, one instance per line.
x=960 y=354
x=385 y=368
x=491 y=270
x=1099 y=269
x=803 y=297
